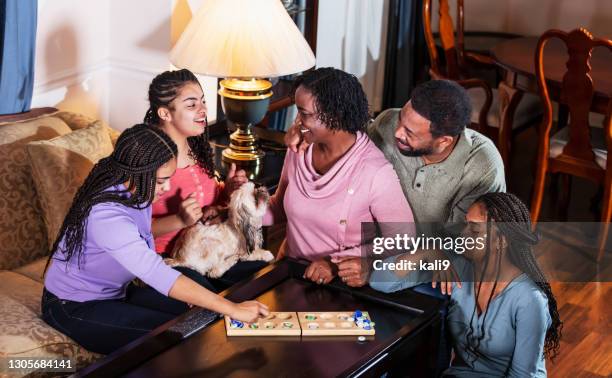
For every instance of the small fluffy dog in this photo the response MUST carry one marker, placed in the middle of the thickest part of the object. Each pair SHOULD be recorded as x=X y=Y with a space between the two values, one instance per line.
x=212 y=250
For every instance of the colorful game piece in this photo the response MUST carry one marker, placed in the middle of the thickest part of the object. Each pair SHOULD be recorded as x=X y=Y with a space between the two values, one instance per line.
x=236 y=324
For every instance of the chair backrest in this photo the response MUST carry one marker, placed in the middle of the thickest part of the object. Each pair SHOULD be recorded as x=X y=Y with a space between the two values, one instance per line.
x=453 y=50
x=576 y=93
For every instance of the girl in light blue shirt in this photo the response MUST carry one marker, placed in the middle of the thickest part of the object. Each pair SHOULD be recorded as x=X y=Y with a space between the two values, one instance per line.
x=502 y=317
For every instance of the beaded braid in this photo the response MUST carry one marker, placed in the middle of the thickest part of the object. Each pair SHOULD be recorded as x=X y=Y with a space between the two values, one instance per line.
x=163 y=90
x=513 y=220
x=139 y=152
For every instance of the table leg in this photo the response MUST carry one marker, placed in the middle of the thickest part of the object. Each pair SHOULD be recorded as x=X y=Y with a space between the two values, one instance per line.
x=509 y=98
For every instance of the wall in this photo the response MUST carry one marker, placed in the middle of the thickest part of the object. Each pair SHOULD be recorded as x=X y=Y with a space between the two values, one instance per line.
x=72 y=46
x=98 y=57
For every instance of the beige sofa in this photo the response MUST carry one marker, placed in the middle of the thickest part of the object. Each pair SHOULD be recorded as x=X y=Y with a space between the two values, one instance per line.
x=29 y=213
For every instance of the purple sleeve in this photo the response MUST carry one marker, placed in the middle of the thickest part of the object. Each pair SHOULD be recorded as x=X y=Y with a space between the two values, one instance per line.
x=111 y=228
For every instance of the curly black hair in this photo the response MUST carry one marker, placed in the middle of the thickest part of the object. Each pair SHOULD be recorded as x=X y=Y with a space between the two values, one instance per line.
x=139 y=152
x=512 y=219
x=445 y=104
x=340 y=101
x=162 y=91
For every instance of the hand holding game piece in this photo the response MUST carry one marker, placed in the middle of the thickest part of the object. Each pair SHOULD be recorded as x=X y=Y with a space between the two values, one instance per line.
x=320 y=272
x=353 y=271
x=249 y=311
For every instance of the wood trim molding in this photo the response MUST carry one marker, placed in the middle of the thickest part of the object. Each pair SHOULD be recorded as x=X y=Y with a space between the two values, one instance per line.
x=33 y=113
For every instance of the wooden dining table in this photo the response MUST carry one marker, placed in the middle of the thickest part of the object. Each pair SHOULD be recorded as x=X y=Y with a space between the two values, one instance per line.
x=517 y=58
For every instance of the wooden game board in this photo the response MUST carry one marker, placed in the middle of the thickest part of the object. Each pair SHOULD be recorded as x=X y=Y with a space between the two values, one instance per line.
x=275 y=324
x=332 y=323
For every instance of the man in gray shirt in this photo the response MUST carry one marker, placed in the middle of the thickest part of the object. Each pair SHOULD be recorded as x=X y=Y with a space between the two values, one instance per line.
x=443 y=166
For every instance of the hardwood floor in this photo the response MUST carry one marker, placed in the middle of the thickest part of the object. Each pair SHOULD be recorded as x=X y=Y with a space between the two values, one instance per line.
x=586 y=346
x=584 y=307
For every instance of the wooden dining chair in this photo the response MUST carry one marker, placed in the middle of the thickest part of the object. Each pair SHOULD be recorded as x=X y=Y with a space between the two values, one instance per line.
x=456 y=64
x=577 y=149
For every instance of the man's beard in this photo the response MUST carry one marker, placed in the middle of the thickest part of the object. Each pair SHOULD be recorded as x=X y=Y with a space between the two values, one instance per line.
x=413 y=152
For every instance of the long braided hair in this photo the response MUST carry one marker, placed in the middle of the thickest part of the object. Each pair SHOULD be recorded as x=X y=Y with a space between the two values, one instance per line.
x=163 y=90
x=139 y=152
x=513 y=221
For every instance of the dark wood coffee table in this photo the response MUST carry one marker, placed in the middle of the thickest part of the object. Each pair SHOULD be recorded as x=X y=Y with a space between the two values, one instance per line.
x=406 y=340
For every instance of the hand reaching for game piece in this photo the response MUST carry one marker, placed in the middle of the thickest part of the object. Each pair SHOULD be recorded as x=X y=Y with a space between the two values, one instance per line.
x=320 y=272
x=353 y=271
x=249 y=311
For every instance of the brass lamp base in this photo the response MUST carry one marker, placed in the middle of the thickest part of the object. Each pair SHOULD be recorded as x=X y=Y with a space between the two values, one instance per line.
x=243 y=147
x=245 y=103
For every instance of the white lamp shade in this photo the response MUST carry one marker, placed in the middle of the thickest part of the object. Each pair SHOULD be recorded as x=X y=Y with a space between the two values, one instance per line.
x=242 y=38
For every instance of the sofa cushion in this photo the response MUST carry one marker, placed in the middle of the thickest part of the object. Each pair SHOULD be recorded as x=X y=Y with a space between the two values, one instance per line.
x=23 y=236
x=59 y=167
x=79 y=121
x=23 y=332
x=34 y=270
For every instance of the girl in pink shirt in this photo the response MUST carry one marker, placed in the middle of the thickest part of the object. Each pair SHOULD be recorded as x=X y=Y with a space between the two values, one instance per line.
x=340 y=181
x=177 y=106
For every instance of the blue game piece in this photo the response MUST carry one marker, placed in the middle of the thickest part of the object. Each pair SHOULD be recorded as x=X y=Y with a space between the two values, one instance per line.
x=236 y=324
x=358 y=314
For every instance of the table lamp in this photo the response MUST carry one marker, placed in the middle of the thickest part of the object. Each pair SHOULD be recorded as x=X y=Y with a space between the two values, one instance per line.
x=246 y=42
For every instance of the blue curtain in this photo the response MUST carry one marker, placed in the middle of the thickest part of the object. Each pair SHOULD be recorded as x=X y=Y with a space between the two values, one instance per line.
x=406 y=56
x=17 y=48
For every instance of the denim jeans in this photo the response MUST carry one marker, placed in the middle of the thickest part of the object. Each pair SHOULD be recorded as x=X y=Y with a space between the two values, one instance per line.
x=102 y=326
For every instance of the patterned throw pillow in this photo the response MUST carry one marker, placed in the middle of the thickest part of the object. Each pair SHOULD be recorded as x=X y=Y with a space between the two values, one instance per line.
x=23 y=236
x=59 y=167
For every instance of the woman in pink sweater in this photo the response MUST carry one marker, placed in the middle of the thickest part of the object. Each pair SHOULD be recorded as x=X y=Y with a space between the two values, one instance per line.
x=340 y=181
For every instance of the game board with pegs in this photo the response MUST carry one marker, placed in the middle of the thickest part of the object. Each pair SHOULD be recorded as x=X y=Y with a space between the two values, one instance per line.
x=275 y=324
x=330 y=323
x=336 y=323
